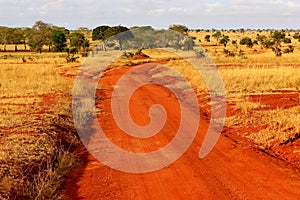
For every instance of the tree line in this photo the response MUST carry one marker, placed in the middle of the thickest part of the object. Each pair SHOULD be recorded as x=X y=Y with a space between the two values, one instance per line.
x=120 y=37
x=60 y=39
x=44 y=34
x=273 y=41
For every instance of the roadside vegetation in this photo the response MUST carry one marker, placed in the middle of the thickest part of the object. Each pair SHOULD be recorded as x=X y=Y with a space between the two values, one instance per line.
x=38 y=140
x=37 y=133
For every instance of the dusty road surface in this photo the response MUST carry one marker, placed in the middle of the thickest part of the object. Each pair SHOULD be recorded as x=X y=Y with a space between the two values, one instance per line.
x=233 y=170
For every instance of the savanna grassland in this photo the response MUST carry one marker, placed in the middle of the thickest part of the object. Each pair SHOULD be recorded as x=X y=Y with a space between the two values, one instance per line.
x=262 y=91
x=37 y=132
x=38 y=138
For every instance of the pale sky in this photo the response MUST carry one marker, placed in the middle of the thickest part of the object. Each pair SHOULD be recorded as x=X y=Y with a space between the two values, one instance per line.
x=206 y=14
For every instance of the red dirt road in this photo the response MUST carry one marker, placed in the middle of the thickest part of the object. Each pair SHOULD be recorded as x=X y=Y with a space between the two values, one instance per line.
x=233 y=170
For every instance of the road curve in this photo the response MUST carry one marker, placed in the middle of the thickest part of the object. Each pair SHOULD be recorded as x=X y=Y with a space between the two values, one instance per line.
x=233 y=170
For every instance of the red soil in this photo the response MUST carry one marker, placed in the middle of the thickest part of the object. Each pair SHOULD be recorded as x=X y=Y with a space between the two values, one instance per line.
x=277 y=99
x=139 y=57
x=233 y=170
x=234 y=65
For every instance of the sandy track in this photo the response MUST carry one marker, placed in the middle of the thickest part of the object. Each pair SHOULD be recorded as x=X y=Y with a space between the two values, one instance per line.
x=233 y=170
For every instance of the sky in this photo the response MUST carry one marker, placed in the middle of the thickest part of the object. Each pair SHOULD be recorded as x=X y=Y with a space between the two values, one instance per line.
x=195 y=14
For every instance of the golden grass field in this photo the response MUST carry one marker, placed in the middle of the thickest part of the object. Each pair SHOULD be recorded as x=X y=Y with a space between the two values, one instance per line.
x=36 y=128
x=35 y=100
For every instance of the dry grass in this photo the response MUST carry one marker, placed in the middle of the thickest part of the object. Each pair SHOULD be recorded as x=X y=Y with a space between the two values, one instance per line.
x=35 y=107
x=32 y=167
x=32 y=78
x=34 y=116
x=281 y=125
x=260 y=79
x=259 y=73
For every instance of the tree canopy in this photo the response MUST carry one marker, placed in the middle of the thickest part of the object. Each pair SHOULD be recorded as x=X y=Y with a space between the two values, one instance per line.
x=179 y=28
x=59 y=40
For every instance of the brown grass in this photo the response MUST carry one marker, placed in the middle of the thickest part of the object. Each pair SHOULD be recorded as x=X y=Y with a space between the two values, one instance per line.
x=35 y=146
x=35 y=114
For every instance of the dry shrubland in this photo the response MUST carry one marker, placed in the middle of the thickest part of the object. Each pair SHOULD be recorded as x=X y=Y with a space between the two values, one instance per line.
x=36 y=126
x=35 y=147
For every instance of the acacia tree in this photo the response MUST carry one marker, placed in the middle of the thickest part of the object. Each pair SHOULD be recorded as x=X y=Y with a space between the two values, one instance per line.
x=189 y=44
x=179 y=28
x=175 y=36
x=40 y=35
x=247 y=41
x=261 y=39
x=277 y=37
x=59 y=40
x=207 y=38
x=78 y=41
x=119 y=33
x=225 y=40
x=234 y=43
x=98 y=33
x=146 y=37
x=16 y=37
x=217 y=35
x=26 y=35
x=4 y=36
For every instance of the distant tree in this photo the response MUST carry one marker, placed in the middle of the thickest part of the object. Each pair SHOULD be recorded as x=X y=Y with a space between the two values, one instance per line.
x=175 y=39
x=98 y=33
x=189 y=44
x=287 y=40
x=147 y=37
x=234 y=43
x=16 y=37
x=4 y=36
x=267 y=43
x=40 y=35
x=85 y=46
x=225 y=40
x=26 y=35
x=247 y=41
x=119 y=33
x=207 y=38
x=290 y=49
x=217 y=35
x=261 y=39
x=78 y=41
x=277 y=37
x=59 y=40
x=296 y=36
x=179 y=28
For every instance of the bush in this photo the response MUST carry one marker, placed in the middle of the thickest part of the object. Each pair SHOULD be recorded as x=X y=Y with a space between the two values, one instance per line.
x=200 y=54
x=247 y=41
x=296 y=36
x=287 y=40
x=228 y=53
x=189 y=44
x=290 y=49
